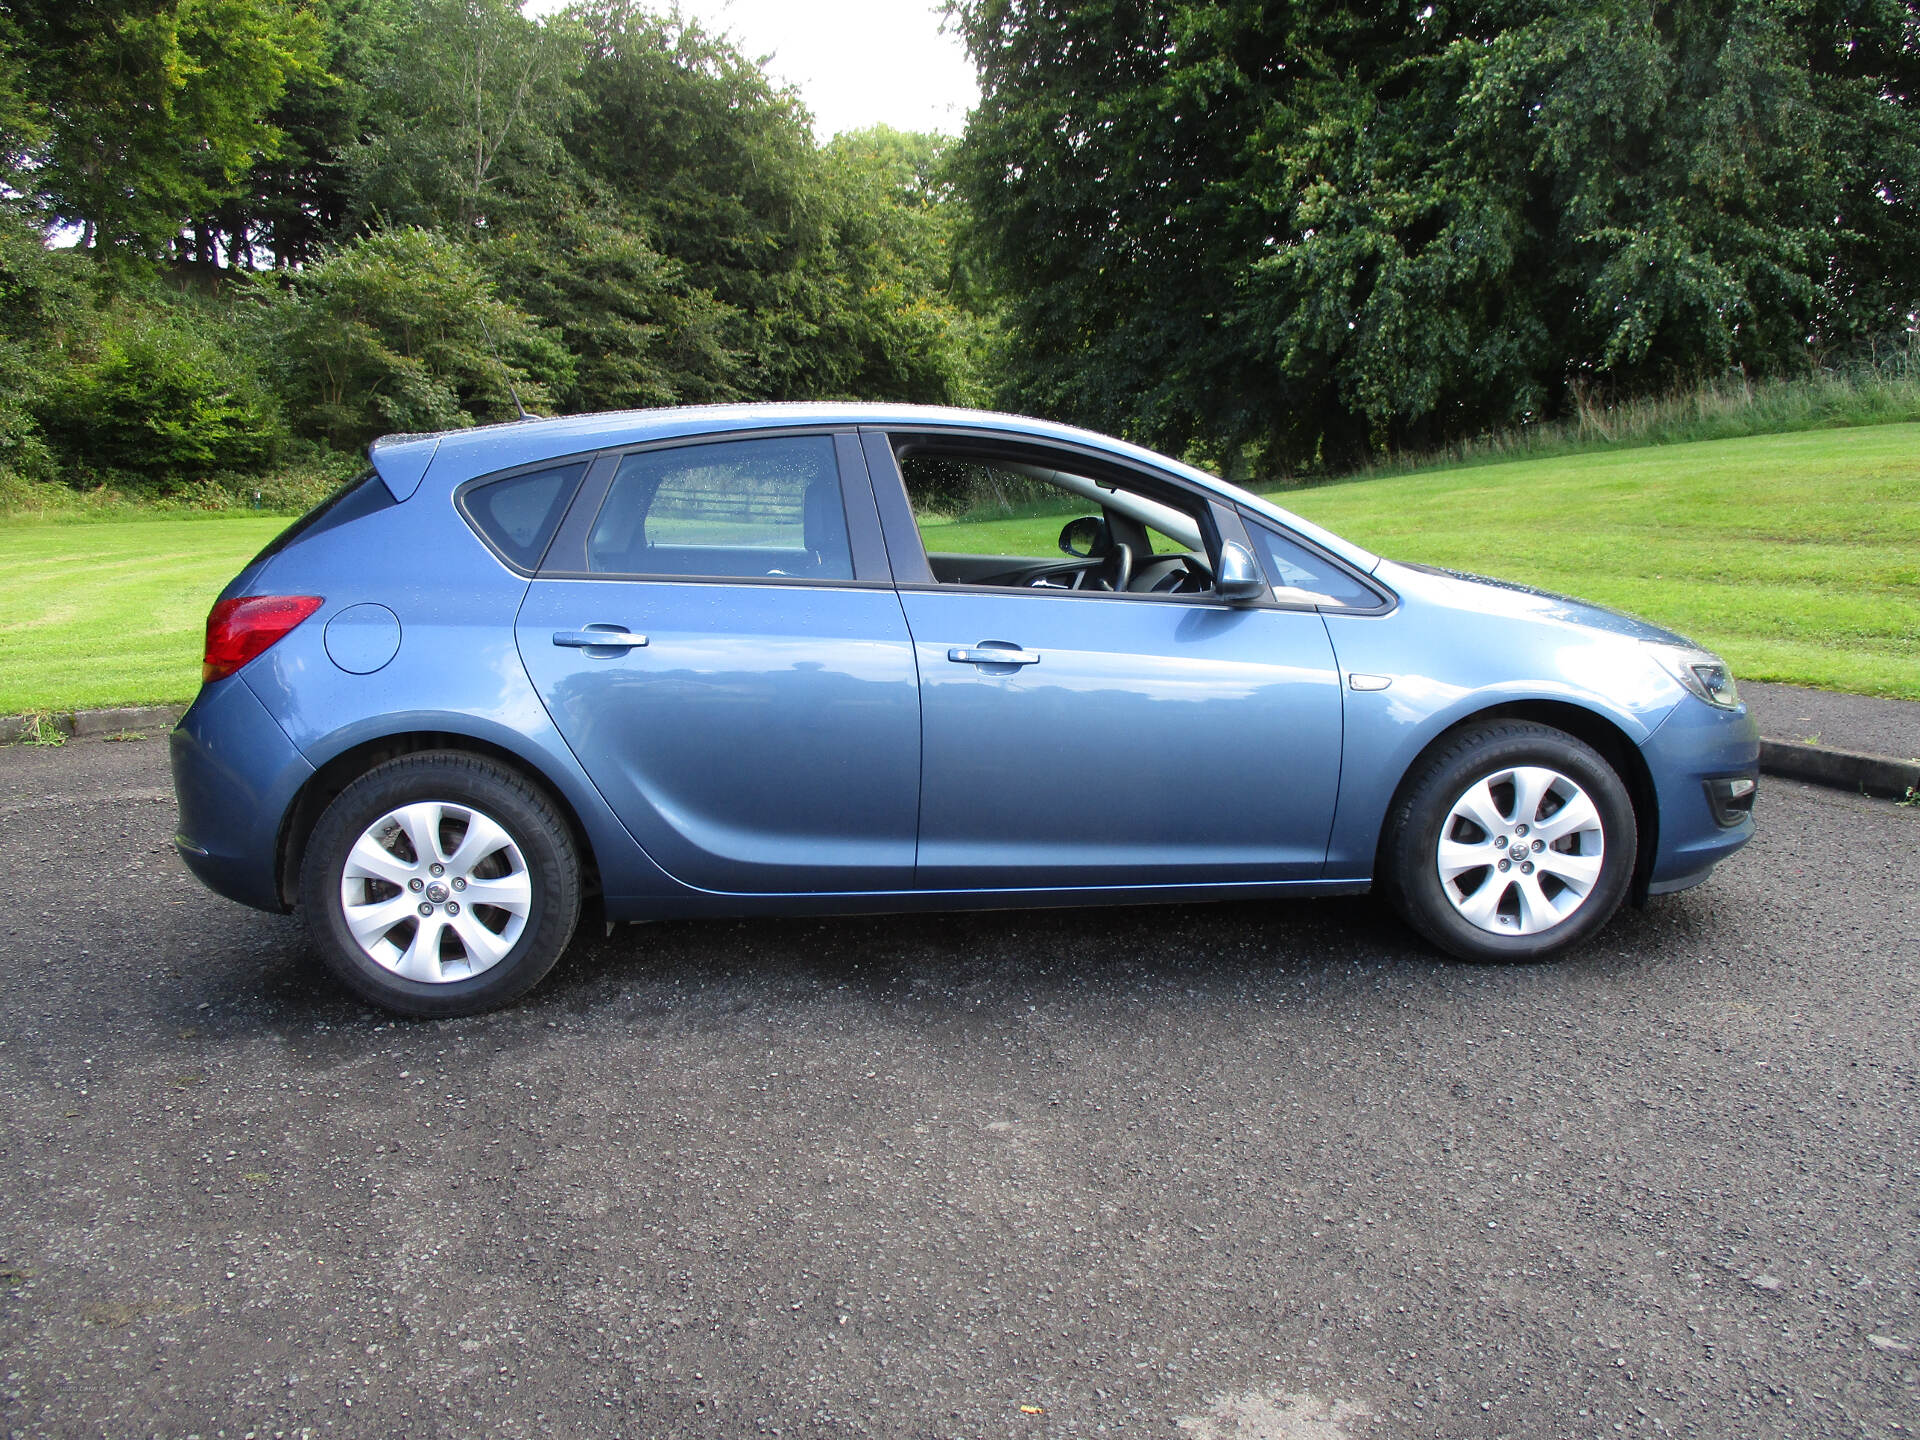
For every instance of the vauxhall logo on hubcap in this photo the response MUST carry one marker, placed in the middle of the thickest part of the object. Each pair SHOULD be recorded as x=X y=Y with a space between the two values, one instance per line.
x=437 y=892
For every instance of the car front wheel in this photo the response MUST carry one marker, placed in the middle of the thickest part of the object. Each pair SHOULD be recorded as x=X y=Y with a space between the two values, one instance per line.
x=1514 y=841
x=440 y=884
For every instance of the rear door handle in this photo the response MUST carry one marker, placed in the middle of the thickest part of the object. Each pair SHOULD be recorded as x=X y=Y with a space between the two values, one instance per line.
x=991 y=653
x=607 y=638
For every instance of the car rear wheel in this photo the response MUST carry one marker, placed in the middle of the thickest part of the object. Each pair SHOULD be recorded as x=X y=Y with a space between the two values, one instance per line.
x=440 y=884
x=1514 y=841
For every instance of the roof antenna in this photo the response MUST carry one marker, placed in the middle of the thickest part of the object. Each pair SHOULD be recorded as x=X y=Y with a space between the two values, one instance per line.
x=506 y=374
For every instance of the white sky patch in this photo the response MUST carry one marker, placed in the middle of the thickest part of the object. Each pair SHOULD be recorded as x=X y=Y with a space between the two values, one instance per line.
x=855 y=63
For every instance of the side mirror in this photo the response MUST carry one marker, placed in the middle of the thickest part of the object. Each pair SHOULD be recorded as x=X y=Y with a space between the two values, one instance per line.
x=1239 y=576
x=1085 y=537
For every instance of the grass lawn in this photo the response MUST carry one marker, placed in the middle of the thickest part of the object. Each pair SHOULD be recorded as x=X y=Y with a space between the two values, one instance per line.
x=1797 y=556
x=112 y=612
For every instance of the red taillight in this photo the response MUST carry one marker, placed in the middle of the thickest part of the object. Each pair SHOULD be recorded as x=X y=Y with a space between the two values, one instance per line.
x=239 y=629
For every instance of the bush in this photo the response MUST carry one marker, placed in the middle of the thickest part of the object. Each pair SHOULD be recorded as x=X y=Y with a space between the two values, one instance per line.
x=400 y=331
x=158 y=406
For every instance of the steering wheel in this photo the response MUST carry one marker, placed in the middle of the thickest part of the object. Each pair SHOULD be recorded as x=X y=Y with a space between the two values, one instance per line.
x=1189 y=577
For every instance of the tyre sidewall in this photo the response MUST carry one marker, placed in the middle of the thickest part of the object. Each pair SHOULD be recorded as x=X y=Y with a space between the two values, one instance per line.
x=1417 y=883
x=510 y=802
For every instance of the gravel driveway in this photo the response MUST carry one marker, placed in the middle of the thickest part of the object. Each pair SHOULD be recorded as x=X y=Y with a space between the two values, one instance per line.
x=1243 y=1172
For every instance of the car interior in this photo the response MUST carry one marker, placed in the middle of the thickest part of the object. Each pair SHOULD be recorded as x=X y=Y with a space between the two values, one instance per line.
x=1114 y=538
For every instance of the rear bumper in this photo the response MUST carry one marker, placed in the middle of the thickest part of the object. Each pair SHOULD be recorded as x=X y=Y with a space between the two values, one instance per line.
x=234 y=775
x=1698 y=743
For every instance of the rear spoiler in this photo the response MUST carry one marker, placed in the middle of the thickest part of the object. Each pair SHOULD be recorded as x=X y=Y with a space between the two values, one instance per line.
x=402 y=461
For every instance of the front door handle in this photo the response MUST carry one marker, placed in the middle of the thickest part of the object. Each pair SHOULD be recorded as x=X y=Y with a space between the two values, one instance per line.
x=607 y=637
x=993 y=652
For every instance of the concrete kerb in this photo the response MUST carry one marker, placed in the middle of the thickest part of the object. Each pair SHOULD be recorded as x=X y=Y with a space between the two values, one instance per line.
x=1880 y=775
x=127 y=720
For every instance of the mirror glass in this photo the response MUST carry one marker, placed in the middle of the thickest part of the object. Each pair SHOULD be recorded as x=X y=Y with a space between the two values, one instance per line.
x=1084 y=537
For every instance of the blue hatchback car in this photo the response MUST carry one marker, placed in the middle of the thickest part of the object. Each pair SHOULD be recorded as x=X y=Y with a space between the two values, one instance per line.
x=778 y=659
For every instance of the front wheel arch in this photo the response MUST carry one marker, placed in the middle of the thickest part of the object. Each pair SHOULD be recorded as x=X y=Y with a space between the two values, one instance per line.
x=349 y=765
x=1588 y=726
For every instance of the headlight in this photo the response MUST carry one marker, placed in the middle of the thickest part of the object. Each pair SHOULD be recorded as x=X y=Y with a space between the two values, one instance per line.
x=1701 y=671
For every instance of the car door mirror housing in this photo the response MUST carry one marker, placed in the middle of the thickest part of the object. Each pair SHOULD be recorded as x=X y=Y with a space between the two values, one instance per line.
x=1084 y=537
x=1238 y=577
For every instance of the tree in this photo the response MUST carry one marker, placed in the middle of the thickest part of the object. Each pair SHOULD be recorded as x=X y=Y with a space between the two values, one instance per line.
x=468 y=119
x=1296 y=234
x=832 y=266
x=401 y=331
x=298 y=199
x=908 y=333
x=641 y=334
x=152 y=112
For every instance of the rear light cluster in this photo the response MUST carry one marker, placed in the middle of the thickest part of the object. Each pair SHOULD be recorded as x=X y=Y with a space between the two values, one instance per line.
x=247 y=626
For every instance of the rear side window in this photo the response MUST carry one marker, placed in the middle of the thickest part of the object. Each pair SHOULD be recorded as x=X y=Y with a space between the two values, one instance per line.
x=746 y=509
x=519 y=514
x=1302 y=577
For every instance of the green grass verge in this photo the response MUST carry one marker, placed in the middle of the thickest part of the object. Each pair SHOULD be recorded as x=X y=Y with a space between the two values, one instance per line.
x=1797 y=556
x=112 y=612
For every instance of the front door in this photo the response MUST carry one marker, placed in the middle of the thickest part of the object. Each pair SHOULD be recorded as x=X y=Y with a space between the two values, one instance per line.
x=746 y=705
x=1124 y=740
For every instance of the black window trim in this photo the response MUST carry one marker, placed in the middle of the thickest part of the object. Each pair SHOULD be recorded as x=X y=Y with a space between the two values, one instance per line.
x=568 y=560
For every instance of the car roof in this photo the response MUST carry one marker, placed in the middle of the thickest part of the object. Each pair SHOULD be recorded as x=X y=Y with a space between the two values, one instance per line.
x=404 y=460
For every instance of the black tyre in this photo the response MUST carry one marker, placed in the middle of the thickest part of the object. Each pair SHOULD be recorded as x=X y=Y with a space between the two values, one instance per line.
x=440 y=884
x=1512 y=841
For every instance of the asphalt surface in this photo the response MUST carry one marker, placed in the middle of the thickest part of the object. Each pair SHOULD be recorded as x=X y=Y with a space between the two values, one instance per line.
x=1862 y=723
x=1247 y=1172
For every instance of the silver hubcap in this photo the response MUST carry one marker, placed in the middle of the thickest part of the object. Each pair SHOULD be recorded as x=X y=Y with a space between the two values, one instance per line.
x=1520 y=851
x=435 y=892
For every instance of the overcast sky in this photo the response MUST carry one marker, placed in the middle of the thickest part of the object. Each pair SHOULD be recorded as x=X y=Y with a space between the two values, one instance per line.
x=855 y=62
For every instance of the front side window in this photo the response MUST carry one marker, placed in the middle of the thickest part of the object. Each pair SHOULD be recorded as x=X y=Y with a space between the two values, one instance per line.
x=1023 y=524
x=747 y=509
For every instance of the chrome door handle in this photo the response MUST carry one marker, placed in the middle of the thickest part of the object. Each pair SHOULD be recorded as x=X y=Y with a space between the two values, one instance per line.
x=992 y=655
x=609 y=638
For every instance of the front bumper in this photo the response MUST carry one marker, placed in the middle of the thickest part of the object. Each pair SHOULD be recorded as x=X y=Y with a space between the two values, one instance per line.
x=235 y=773
x=1698 y=744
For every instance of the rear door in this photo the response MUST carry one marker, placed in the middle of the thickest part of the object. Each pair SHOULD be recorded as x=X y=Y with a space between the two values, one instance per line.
x=715 y=634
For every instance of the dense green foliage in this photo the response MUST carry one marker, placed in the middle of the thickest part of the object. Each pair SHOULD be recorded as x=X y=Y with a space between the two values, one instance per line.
x=1288 y=235
x=240 y=238
x=400 y=331
x=308 y=222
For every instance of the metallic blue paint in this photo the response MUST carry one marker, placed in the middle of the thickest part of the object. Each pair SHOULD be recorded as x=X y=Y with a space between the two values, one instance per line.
x=235 y=775
x=1698 y=742
x=782 y=748
x=766 y=737
x=1153 y=741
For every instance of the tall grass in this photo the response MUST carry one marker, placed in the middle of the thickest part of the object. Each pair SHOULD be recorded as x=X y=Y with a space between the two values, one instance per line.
x=1880 y=388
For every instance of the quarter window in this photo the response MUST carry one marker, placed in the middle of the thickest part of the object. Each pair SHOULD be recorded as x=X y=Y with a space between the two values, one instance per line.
x=747 y=509
x=520 y=513
x=1300 y=577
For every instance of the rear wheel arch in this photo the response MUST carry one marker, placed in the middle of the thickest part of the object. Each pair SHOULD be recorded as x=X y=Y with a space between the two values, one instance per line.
x=1588 y=726
x=334 y=775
